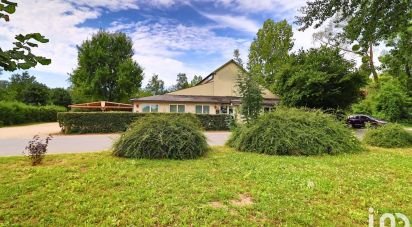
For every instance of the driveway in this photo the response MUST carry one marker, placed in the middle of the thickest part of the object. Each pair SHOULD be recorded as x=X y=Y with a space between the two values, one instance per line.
x=13 y=140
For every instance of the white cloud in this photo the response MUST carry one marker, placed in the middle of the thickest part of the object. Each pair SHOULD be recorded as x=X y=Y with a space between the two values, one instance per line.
x=158 y=47
x=241 y=23
x=161 y=47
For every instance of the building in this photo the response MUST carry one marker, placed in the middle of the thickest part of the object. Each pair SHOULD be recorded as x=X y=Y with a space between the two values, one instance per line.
x=215 y=94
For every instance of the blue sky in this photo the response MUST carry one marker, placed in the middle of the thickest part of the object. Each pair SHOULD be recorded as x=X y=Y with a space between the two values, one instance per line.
x=170 y=36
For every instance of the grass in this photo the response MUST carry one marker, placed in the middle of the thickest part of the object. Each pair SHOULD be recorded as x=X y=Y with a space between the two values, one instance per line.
x=99 y=189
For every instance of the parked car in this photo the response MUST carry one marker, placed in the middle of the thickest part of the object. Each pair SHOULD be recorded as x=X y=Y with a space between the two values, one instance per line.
x=360 y=121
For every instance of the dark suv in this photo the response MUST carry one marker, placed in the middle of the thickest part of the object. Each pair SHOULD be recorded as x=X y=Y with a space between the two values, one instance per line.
x=360 y=121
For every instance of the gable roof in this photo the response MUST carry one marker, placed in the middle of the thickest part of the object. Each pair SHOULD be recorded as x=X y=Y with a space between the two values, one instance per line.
x=221 y=67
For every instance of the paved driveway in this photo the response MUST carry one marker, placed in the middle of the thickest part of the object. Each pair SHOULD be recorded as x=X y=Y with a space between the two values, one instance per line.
x=14 y=139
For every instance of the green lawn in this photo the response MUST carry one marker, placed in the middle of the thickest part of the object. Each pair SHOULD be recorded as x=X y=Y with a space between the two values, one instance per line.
x=99 y=189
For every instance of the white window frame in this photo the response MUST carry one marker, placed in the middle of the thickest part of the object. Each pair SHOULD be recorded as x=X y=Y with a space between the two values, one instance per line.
x=203 y=108
x=177 y=108
x=150 y=107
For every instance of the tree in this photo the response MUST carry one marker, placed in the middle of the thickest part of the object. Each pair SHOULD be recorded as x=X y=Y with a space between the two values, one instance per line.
x=392 y=102
x=398 y=62
x=60 y=97
x=18 y=84
x=236 y=57
x=4 y=84
x=181 y=82
x=21 y=56
x=269 y=51
x=320 y=78
x=389 y=101
x=368 y=22
x=249 y=91
x=106 y=70
x=156 y=86
x=35 y=94
x=196 y=79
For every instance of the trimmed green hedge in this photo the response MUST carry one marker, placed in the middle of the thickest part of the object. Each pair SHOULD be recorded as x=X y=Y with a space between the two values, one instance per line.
x=12 y=113
x=108 y=122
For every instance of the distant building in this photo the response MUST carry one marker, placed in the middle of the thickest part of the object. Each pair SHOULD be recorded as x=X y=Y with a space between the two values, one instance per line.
x=216 y=94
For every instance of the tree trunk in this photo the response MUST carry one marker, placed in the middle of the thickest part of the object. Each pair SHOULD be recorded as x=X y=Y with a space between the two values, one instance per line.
x=371 y=64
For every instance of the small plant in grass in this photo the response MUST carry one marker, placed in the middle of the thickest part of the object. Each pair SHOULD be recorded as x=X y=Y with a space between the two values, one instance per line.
x=295 y=132
x=36 y=149
x=162 y=137
x=388 y=136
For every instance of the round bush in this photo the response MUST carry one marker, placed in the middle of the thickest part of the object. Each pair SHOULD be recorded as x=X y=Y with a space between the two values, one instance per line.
x=160 y=137
x=388 y=136
x=295 y=132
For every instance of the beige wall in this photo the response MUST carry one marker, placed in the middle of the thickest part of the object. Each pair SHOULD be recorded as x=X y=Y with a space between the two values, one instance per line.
x=165 y=107
x=223 y=84
x=204 y=89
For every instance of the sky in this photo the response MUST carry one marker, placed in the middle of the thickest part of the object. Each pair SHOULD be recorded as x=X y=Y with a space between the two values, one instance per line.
x=170 y=36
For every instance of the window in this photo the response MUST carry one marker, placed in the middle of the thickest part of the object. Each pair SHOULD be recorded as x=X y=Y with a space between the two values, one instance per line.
x=226 y=109
x=267 y=109
x=202 y=109
x=150 y=108
x=177 y=108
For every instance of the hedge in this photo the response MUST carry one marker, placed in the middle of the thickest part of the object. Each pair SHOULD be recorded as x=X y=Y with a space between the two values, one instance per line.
x=109 y=122
x=12 y=113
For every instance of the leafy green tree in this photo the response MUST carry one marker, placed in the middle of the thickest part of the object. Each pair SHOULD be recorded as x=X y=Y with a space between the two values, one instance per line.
x=368 y=22
x=398 y=62
x=389 y=101
x=18 y=84
x=21 y=56
x=196 y=79
x=4 y=84
x=181 y=82
x=392 y=102
x=106 y=70
x=269 y=51
x=156 y=86
x=60 y=97
x=35 y=94
x=143 y=93
x=251 y=97
x=249 y=91
x=320 y=78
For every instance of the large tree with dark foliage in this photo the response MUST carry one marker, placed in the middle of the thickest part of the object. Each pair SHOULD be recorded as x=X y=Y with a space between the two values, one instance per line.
x=60 y=97
x=35 y=94
x=106 y=70
x=320 y=78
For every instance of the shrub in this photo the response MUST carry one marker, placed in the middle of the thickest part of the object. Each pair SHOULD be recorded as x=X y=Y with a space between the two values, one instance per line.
x=12 y=113
x=388 y=136
x=159 y=137
x=390 y=101
x=108 y=122
x=295 y=132
x=36 y=149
